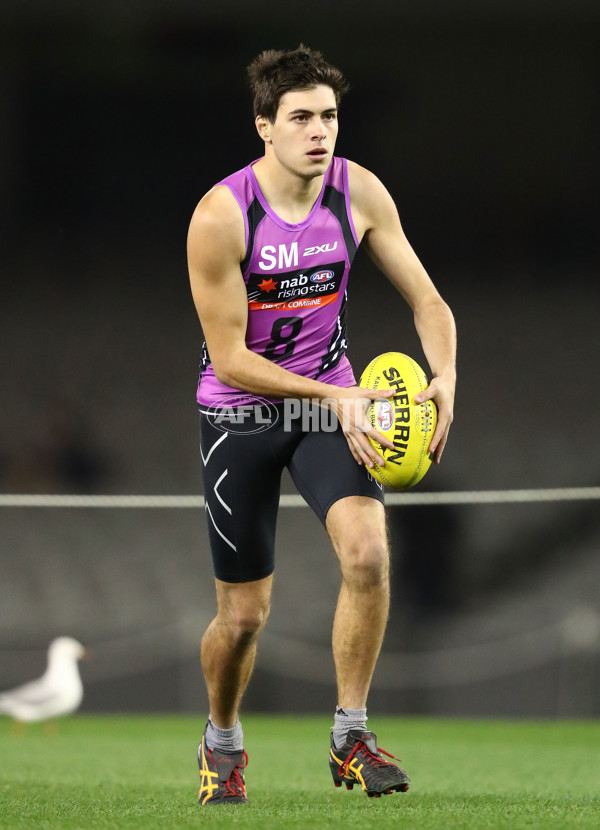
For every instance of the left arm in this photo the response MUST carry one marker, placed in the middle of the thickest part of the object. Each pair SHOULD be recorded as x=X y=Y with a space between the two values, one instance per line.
x=377 y=221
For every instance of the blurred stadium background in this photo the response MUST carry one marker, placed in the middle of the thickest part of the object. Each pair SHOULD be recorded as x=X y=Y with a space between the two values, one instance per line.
x=483 y=121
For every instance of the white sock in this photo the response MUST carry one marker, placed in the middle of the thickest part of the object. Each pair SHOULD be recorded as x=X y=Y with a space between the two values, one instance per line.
x=225 y=740
x=346 y=719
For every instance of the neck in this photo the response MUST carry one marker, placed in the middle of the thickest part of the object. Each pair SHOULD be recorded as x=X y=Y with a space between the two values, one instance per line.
x=291 y=196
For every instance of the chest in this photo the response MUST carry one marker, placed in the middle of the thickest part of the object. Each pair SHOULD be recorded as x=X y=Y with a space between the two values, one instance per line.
x=277 y=250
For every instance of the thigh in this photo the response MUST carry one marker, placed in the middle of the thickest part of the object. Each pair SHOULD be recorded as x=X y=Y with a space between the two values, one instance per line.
x=241 y=474
x=324 y=471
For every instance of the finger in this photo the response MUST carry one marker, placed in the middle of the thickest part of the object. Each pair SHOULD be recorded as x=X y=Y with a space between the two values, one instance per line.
x=374 y=456
x=380 y=438
x=440 y=448
x=367 y=429
x=437 y=437
x=356 y=456
x=359 y=450
x=362 y=424
x=368 y=454
x=425 y=395
x=361 y=456
x=438 y=442
x=376 y=394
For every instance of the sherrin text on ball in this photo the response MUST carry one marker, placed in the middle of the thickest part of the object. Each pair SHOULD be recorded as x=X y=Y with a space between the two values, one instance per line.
x=410 y=426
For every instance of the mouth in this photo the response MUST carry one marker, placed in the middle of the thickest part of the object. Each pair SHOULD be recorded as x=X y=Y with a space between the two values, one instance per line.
x=317 y=153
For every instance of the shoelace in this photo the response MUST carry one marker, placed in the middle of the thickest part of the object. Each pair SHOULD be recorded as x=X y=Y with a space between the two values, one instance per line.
x=371 y=759
x=235 y=783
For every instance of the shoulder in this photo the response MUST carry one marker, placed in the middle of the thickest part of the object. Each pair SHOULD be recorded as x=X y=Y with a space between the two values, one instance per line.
x=370 y=199
x=218 y=221
x=365 y=188
x=217 y=208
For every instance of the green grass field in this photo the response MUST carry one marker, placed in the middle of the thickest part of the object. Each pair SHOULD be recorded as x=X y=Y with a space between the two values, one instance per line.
x=139 y=772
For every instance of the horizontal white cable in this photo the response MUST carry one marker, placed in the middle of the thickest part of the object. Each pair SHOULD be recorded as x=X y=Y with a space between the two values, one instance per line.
x=186 y=502
x=577 y=632
x=496 y=496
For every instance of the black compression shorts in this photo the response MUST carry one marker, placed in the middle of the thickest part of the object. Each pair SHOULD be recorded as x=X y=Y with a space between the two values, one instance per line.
x=242 y=463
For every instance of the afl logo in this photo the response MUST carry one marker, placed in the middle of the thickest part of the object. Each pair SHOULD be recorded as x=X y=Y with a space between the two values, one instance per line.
x=243 y=419
x=322 y=276
x=385 y=415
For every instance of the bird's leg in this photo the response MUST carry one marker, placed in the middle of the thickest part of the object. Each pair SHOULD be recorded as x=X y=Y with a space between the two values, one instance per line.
x=50 y=728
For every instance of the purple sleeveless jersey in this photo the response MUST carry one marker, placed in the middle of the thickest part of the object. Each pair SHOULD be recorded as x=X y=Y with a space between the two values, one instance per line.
x=296 y=278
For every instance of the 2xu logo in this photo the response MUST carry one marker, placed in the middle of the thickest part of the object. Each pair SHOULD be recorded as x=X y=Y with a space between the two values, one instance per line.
x=320 y=249
x=243 y=419
x=286 y=256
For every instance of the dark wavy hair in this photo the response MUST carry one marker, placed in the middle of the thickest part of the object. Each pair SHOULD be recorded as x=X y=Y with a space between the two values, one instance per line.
x=273 y=73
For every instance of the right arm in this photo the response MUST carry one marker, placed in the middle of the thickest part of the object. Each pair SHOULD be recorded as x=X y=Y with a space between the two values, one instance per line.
x=216 y=247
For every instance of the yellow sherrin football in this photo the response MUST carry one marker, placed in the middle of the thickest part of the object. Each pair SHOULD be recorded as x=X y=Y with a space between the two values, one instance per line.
x=408 y=425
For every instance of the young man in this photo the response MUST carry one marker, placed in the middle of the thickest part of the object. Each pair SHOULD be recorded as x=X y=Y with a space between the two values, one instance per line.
x=270 y=248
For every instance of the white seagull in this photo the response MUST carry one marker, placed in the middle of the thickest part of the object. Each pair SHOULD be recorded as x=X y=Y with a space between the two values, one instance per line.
x=59 y=691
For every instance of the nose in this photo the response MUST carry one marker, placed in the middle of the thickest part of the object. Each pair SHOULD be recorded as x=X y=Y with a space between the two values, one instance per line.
x=319 y=133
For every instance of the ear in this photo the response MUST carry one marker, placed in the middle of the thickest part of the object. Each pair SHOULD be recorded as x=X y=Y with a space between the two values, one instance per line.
x=263 y=127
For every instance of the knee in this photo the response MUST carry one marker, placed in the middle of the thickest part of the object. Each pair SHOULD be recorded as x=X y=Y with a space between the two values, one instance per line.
x=365 y=564
x=245 y=622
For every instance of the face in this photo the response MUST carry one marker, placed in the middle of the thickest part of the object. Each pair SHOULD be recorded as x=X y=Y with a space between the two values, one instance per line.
x=305 y=130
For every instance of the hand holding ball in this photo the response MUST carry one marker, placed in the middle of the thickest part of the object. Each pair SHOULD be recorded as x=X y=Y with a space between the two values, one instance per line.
x=410 y=426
